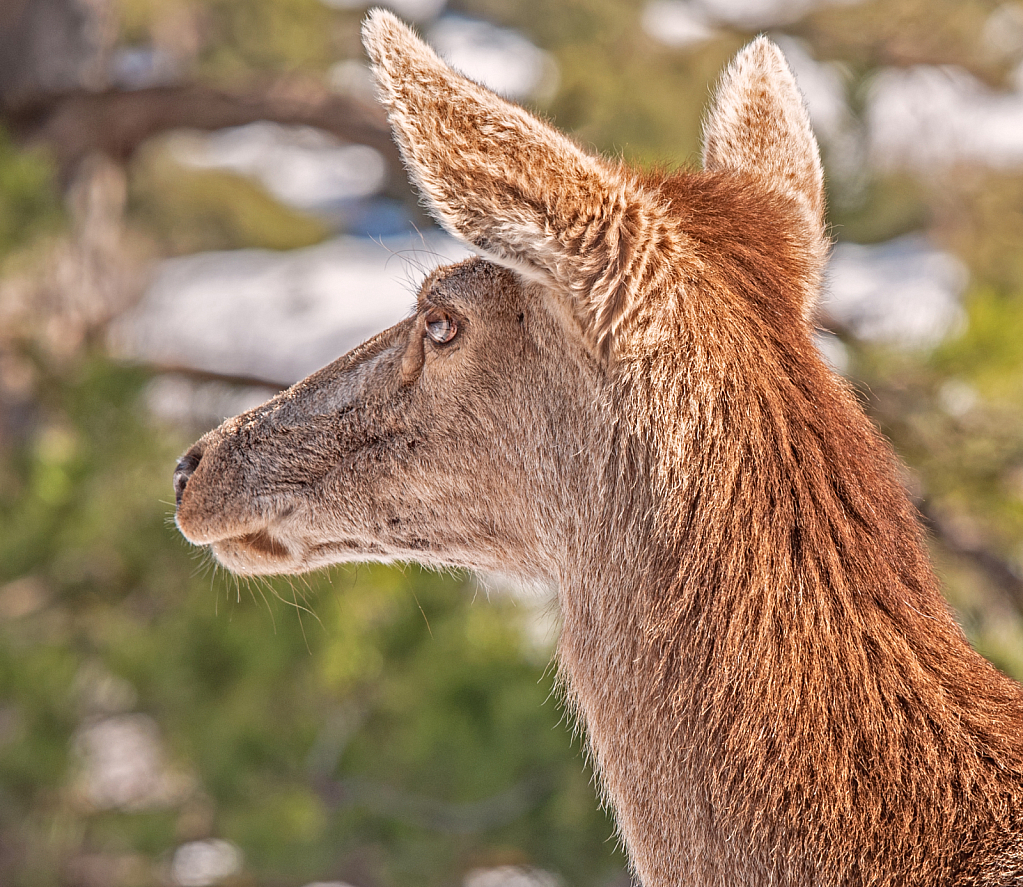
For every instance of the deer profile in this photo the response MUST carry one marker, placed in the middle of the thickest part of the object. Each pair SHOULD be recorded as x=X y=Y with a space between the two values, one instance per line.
x=621 y=396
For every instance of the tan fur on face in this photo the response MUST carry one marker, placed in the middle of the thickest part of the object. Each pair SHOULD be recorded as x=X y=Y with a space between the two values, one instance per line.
x=773 y=689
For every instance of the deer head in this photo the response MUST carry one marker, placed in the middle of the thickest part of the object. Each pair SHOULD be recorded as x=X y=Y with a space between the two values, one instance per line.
x=621 y=396
x=477 y=432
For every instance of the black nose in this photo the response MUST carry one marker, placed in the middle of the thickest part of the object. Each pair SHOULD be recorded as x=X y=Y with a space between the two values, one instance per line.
x=183 y=471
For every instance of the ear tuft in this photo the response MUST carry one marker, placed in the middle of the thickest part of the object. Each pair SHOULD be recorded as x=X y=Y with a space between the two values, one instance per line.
x=380 y=27
x=394 y=49
x=759 y=126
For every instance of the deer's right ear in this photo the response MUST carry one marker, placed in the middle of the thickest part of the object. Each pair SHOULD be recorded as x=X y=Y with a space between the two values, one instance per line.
x=759 y=126
x=511 y=185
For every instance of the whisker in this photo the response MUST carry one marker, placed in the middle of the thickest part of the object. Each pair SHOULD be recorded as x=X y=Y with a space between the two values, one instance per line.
x=260 y=582
x=412 y=589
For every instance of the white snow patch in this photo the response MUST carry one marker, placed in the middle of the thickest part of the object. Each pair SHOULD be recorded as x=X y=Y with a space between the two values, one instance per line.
x=833 y=350
x=903 y=292
x=499 y=58
x=677 y=23
x=932 y=116
x=301 y=166
x=277 y=316
x=123 y=764
x=1003 y=30
x=753 y=15
x=511 y=876
x=203 y=863
x=958 y=398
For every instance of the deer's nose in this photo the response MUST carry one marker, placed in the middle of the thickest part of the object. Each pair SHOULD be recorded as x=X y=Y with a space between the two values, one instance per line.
x=183 y=471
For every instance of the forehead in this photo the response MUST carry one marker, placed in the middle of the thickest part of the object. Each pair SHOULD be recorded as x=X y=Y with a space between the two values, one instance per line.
x=472 y=285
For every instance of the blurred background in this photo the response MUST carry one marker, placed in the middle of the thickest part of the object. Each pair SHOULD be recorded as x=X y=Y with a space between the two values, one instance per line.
x=200 y=203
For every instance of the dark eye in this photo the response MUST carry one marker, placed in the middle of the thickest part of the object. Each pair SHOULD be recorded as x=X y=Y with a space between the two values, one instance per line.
x=440 y=327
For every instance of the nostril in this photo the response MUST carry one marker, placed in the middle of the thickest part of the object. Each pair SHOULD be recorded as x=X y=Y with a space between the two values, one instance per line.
x=182 y=472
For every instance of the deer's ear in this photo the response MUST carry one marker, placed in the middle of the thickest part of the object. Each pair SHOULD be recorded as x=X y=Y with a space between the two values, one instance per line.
x=512 y=186
x=758 y=125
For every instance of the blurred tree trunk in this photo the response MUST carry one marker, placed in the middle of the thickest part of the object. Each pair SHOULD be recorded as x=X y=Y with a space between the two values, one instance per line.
x=53 y=46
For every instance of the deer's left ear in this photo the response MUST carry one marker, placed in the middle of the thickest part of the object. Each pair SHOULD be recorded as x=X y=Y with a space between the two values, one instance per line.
x=759 y=126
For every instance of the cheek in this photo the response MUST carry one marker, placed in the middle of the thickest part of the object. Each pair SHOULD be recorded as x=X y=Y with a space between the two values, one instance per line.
x=414 y=359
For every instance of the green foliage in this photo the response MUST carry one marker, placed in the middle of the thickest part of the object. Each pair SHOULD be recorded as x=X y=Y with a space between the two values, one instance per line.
x=29 y=201
x=190 y=210
x=392 y=715
x=886 y=207
x=237 y=39
x=266 y=36
x=905 y=32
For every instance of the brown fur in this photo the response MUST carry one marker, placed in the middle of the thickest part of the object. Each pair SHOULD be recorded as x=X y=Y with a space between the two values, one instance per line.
x=773 y=689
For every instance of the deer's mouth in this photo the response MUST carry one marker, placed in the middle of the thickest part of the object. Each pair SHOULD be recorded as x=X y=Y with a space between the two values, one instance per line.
x=261 y=553
x=266 y=534
x=256 y=553
x=247 y=540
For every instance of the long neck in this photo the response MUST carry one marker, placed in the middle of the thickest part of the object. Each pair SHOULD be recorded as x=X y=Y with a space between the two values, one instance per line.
x=773 y=688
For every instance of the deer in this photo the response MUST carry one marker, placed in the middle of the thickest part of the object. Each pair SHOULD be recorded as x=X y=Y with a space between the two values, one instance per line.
x=619 y=395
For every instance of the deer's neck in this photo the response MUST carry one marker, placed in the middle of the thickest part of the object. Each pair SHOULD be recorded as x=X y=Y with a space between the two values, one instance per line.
x=768 y=675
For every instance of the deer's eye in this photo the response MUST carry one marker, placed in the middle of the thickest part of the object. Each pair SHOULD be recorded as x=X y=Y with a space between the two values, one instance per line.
x=440 y=327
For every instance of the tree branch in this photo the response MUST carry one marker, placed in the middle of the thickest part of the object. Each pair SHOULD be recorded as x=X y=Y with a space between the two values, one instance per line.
x=116 y=122
x=200 y=376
